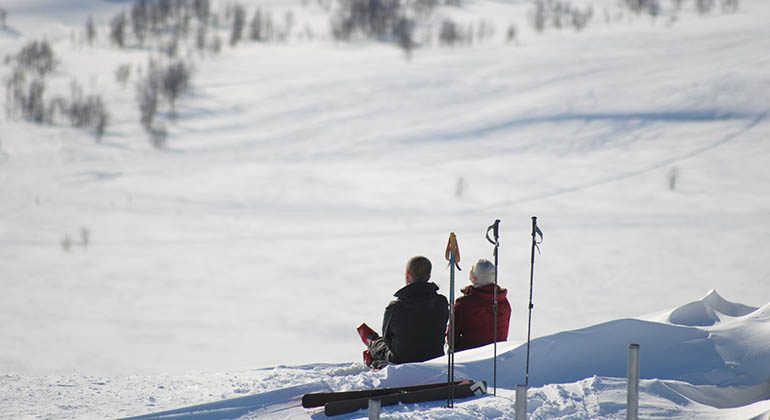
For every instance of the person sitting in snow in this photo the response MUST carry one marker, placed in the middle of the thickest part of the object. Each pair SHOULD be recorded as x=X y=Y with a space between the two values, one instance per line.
x=414 y=325
x=474 y=311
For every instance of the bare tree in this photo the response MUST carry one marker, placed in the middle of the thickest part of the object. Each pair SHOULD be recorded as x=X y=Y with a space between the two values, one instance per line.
x=37 y=57
x=175 y=79
x=87 y=112
x=118 y=30
x=122 y=73
x=140 y=19
x=372 y=18
x=15 y=92
x=34 y=105
x=147 y=96
x=539 y=16
x=256 y=28
x=202 y=9
x=450 y=33
x=729 y=6
x=403 y=33
x=90 y=31
x=704 y=6
x=200 y=37
x=511 y=33
x=161 y=82
x=239 y=21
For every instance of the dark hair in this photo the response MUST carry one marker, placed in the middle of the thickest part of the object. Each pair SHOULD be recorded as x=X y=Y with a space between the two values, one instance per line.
x=419 y=268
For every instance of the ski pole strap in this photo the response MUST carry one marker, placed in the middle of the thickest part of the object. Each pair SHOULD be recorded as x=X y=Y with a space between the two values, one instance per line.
x=494 y=227
x=452 y=248
x=536 y=232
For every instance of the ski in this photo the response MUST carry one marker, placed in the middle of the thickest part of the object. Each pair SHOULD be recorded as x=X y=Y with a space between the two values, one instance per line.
x=318 y=399
x=463 y=389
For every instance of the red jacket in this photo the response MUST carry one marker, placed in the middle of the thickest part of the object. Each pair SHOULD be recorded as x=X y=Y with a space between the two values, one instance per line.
x=474 y=317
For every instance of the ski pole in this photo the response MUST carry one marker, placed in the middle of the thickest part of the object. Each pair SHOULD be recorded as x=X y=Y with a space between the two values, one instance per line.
x=494 y=227
x=452 y=254
x=535 y=232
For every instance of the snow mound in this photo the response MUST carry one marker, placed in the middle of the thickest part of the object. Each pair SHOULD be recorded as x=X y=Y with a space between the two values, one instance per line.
x=694 y=314
x=720 y=304
x=706 y=311
x=731 y=354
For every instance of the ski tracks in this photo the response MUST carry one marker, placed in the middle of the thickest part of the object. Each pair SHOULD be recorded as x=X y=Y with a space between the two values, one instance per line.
x=633 y=173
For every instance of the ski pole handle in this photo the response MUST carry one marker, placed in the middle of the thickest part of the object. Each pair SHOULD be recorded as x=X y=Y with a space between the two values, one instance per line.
x=494 y=227
x=453 y=250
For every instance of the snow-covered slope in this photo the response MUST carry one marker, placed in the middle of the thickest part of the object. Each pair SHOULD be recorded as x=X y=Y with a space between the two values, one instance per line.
x=715 y=372
x=300 y=176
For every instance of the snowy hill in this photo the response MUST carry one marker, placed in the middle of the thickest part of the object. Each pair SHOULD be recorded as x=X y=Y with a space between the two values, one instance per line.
x=298 y=176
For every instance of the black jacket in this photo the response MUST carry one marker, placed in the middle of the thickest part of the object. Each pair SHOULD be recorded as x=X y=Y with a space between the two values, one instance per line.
x=414 y=325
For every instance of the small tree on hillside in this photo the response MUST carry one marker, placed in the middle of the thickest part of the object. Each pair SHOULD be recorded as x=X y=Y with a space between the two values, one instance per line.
x=202 y=9
x=539 y=16
x=15 y=92
x=255 y=28
x=175 y=79
x=122 y=73
x=510 y=35
x=147 y=97
x=37 y=57
x=403 y=33
x=704 y=6
x=424 y=7
x=239 y=21
x=34 y=105
x=90 y=31
x=729 y=6
x=140 y=20
x=450 y=33
x=118 y=30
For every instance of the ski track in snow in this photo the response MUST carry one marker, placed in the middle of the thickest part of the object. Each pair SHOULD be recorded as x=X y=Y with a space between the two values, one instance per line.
x=651 y=167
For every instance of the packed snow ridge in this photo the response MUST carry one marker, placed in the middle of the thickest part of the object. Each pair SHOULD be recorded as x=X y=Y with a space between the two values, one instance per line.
x=706 y=311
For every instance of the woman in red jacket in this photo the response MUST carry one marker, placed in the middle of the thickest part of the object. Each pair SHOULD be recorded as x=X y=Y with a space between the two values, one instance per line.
x=474 y=311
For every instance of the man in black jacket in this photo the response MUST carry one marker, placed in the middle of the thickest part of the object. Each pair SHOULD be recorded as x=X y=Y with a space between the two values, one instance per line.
x=414 y=325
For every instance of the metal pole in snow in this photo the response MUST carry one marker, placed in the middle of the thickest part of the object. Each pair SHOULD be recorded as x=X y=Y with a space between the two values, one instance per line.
x=453 y=255
x=451 y=349
x=521 y=402
x=496 y=242
x=632 y=411
x=535 y=232
x=375 y=407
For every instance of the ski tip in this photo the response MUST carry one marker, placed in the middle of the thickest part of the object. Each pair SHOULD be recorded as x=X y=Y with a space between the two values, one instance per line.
x=479 y=388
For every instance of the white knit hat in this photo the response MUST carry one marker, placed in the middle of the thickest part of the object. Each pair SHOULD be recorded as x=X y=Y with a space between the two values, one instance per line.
x=484 y=271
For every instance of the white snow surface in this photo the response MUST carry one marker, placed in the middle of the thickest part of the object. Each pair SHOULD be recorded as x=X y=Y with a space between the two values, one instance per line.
x=231 y=267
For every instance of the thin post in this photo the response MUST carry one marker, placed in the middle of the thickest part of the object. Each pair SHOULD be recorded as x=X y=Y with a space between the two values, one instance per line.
x=521 y=402
x=632 y=411
x=451 y=349
x=495 y=228
x=452 y=254
x=535 y=232
x=375 y=407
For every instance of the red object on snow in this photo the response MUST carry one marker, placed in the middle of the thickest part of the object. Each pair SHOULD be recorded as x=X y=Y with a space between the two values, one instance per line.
x=368 y=358
x=367 y=334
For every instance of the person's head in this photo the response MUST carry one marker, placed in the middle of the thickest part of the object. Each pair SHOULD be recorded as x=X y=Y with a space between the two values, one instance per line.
x=482 y=273
x=418 y=270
